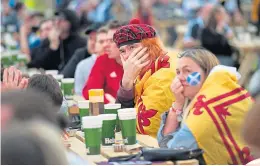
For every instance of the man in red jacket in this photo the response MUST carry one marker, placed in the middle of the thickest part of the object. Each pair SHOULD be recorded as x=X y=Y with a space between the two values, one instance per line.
x=107 y=72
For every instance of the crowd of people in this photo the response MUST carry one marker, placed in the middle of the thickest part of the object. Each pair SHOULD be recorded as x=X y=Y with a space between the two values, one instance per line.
x=191 y=99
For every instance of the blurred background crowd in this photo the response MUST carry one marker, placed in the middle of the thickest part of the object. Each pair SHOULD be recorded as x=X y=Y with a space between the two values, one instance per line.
x=69 y=35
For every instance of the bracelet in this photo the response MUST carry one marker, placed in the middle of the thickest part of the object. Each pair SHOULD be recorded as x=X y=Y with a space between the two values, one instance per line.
x=177 y=111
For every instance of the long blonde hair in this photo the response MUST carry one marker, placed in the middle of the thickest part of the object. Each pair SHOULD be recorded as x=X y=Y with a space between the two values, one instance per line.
x=206 y=60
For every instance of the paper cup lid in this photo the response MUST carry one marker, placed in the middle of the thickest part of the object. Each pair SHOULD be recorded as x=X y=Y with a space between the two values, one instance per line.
x=68 y=80
x=108 y=116
x=83 y=104
x=112 y=106
x=124 y=110
x=91 y=122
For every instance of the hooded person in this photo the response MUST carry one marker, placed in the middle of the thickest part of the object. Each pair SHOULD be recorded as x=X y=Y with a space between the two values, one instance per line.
x=82 y=53
x=63 y=40
x=148 y=72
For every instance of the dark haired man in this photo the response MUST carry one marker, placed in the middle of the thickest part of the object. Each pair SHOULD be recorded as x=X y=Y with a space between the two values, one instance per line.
x=107 y=71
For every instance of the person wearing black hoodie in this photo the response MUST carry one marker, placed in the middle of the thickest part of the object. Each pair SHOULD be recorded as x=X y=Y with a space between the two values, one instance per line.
x=63 y=40
x=80 y=54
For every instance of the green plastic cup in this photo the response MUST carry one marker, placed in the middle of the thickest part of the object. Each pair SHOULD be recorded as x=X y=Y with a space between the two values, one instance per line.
x=127 y=118
x=108 y=129
x=83 y=109
x=92 y=131
x=22 y=59
x=58 y=77
x=68 y=87
x=112 y=109
x=6 y=60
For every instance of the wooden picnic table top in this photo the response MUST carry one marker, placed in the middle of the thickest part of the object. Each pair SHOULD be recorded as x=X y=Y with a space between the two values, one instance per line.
x=78 y=147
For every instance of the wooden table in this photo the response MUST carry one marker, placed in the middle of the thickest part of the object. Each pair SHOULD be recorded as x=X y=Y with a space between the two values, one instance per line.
x=249 y=51
x=78 y=146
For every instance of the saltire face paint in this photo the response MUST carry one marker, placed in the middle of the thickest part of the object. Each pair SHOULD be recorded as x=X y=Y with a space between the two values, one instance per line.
x=194 y=78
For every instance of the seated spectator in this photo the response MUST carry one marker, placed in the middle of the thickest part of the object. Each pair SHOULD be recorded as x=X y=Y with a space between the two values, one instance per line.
x=107 y=71
x=34 y=142
x=233 y=8
x=47 y=84
x=148 y=73
x=63 y=40
x=32 y=105
x=8 y=18
x=208 y=111
x=96 y=46
x=81 y=53
x=44 y=29
x=216 y=28
x=28 y=37
x=28 y=105
x=195 y=26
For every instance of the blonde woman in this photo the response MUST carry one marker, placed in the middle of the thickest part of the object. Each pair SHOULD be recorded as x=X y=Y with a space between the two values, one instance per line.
x=212 y=119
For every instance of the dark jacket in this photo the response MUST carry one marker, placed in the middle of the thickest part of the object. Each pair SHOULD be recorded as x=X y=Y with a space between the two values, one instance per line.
x=46 y=58
x=215 y=42
x=80 y=54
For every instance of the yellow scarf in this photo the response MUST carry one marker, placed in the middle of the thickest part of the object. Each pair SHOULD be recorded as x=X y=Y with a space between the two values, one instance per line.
x=215 y=120
x=153 y=95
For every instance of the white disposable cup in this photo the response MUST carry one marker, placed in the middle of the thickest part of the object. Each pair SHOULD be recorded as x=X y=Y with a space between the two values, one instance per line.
x=108 y=116
x=83 y=104
x=68 y=80
x=126 y=110
x=112 y=106
x=89 y=122
x=127 y=116
x=58 y=77
x=52 y=72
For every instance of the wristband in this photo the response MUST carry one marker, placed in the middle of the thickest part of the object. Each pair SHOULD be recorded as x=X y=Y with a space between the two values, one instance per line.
x=177 y=111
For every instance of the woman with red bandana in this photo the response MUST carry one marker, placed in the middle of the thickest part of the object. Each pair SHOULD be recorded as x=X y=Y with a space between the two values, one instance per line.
x=147 y=75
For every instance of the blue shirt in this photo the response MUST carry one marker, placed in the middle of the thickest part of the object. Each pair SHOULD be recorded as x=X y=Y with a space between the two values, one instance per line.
x=190 y=6
x=182 y=137
x=231 y=6
x=33 y=41
x=102 y=13
x=82 y=73
x=191 y=34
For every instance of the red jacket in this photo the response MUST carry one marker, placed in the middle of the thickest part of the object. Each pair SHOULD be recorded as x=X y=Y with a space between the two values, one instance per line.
x=106 y=74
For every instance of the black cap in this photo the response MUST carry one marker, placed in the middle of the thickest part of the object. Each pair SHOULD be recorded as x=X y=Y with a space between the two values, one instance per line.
x=92 y=28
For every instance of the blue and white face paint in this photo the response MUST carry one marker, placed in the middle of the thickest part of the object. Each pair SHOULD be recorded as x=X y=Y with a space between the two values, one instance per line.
x=194 y=79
